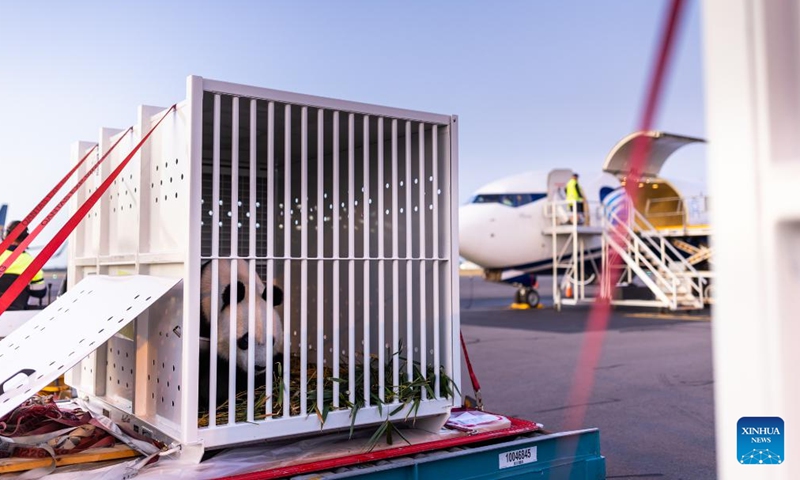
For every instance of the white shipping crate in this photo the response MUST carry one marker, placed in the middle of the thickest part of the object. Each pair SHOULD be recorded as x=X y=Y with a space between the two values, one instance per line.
x=349 y=208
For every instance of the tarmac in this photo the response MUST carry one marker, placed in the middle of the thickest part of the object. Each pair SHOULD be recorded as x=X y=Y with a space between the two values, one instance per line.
x=652 y=396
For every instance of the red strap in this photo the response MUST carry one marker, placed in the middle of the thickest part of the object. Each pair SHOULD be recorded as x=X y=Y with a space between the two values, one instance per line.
x=30 y=238
x=29 y=218
x=475 y=385
x=591 y=350
x=19 y=284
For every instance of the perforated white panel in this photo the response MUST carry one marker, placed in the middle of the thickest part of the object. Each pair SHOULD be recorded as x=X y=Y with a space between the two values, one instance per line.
x=70 y=329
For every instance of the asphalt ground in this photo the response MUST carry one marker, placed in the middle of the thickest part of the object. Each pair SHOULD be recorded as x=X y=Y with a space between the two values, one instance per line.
x=653 y=387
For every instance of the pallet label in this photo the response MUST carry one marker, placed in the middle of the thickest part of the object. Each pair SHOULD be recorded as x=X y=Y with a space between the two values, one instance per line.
x=515 y=458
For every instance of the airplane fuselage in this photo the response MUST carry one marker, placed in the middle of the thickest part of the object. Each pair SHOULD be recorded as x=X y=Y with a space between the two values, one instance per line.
x=504 y=226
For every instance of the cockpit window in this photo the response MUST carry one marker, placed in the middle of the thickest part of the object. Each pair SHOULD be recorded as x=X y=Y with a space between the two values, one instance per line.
x=508 y=199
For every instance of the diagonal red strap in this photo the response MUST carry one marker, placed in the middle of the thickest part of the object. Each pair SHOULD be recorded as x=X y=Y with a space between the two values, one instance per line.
x=474 y=378
x=38 y=208
x=601 y=310
x=19 y=284
x=24 y=244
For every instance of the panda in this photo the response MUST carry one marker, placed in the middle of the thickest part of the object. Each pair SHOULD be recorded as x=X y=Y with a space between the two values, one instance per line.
x=224 y=303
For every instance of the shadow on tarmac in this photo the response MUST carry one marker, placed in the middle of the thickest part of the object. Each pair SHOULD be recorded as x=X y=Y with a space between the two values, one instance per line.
x=569 y=320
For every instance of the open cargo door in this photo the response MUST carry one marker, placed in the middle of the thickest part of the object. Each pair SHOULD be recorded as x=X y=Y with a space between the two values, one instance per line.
x=71 y=328
x=661 y=146
x=556 y=182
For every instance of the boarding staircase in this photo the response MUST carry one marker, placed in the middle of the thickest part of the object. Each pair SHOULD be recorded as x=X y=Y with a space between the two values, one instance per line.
x=649 y=257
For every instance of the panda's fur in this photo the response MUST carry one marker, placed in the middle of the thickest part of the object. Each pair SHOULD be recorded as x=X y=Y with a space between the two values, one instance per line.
x=224 y=302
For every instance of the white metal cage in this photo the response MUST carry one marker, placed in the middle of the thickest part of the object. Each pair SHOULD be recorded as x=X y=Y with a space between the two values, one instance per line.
x=349 y=208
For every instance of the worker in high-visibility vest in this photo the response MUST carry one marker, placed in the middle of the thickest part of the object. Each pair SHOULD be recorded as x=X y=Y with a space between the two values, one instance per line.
x=575 y=197
x=36 y=288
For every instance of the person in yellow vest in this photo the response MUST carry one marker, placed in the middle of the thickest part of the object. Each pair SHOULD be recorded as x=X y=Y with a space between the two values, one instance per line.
x=575 y=197
x=36 y=288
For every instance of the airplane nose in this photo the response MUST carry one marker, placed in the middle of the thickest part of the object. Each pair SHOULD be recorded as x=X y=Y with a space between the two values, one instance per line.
x=472 y=232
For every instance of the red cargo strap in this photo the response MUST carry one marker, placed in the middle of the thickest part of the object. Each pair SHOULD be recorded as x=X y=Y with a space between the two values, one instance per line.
x=38 y=208
x=49 y=249
x=474 y=378
x=32 y=236
x=583 y=381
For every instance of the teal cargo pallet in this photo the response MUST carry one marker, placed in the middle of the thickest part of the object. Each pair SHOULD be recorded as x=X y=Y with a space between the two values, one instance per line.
x=557 y=456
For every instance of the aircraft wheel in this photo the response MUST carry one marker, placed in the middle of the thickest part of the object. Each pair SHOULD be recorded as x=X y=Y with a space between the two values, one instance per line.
x=532 y=298
x=519 y=297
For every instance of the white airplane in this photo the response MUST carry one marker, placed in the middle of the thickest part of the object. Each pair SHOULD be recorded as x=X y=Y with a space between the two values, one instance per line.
x=504 y=228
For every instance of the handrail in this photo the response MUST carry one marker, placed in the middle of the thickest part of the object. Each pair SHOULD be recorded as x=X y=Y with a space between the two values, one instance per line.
x=684 y=207
x=691 y=272
x=555 y=209
x=665 y=279
x=634 y=242
x=679 y=201
x=643 y=220
x=653 y=285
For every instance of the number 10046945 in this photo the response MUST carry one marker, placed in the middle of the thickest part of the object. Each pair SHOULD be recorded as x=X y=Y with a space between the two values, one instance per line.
x=515 y=458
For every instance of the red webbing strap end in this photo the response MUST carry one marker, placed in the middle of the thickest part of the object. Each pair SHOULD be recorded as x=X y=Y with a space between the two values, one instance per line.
x=38 y=208
x=44 y=255
x=476 y=386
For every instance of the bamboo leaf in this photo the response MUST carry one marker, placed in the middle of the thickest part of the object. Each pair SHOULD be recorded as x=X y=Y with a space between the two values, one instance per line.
x=373 y=441
x=402 y=436
x=397 y=410
x=353 y=413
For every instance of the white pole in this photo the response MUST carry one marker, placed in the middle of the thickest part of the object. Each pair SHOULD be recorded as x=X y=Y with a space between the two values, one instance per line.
x=752 y=75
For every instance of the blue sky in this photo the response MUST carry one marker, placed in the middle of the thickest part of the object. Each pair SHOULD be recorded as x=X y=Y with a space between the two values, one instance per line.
x=537 y=84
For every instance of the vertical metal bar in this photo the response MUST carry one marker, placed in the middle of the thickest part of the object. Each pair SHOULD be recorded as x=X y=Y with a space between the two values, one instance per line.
x=270 y=206
x=452 y=315
x=574 y=237
x=409 y=263
x=320 y=255
x=422 y=263
x=190 y=371
x=351 y=253
x=251 y=253
x=395 y=272
x=215 y=172
x=234 y=306
x=234 y=253
x=336 y=253
x=435 y=255
x=553 y=205
x=582 y=265
x=287 y=254
x=366 y=298
x=381 y=267
x=304 y=257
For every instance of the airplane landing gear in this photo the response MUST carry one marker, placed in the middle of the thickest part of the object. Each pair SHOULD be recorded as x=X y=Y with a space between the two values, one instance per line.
x=528 y=296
